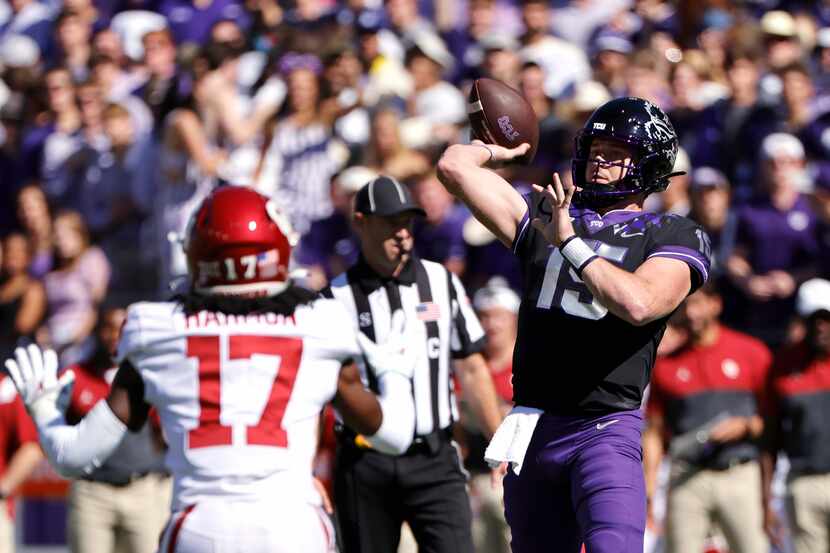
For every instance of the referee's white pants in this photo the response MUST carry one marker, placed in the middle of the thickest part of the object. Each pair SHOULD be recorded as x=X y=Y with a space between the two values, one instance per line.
x=227 y=526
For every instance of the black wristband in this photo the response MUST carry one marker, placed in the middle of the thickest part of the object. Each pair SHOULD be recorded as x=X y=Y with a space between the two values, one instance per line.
x=587 y=262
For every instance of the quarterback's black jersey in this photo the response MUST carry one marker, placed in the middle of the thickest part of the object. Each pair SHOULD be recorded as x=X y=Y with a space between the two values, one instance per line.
x=573 y=356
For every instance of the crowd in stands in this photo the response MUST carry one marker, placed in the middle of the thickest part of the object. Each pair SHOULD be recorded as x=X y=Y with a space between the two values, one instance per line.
x=117 y=117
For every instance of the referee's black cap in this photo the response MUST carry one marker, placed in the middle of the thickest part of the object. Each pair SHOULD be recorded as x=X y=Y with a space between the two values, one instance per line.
x=385 y=196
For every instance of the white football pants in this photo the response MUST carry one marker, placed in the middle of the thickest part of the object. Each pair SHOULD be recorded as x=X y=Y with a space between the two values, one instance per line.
x=225 y=526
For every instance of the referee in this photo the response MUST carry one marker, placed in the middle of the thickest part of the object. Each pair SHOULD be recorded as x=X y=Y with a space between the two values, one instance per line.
x=426 y=486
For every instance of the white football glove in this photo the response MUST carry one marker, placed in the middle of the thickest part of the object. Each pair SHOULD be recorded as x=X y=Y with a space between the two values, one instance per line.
x=35 y=375
x=398 y=353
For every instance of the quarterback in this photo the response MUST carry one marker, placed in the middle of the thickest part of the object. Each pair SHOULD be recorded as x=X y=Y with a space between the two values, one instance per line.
x=601 y=277
x=239 y=368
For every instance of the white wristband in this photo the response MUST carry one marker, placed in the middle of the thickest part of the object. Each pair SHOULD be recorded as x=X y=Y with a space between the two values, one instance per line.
x=577 y=252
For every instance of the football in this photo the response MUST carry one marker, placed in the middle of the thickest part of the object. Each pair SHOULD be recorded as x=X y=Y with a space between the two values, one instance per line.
x=500 y=115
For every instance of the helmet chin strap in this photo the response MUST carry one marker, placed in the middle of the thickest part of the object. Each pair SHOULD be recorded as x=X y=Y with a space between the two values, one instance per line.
x=594 y=197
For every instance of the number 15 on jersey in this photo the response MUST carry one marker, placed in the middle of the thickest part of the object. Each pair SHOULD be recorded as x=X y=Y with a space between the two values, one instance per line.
x=563 y=288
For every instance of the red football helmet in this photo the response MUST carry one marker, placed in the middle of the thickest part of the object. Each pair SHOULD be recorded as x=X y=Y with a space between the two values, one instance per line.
x=238 y=243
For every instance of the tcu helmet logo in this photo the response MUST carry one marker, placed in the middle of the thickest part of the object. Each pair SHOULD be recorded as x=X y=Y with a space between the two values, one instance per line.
x=507 y=128
x=658 y=128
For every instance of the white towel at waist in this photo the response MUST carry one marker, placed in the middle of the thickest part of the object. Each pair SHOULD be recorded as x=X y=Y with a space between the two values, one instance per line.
x=511 y=440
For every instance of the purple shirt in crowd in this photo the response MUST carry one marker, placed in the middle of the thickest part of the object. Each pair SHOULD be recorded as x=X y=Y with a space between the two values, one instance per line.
x=442 y=241
x=331 y=244
x=190 y=23
x=777 y=240
x=774 y=240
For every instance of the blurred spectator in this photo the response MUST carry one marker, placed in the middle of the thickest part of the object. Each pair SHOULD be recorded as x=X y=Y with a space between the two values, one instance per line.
x=610 y=60
x=693 y=89
x=501 y=60
x=125 y=41
x=66 y=155
x=116 y=192
x=117 y=86
x=676 y=197
x=796 y=424
x=821 y=206
x=29 y=18
x=236 y=120
x=342 y=77
x=808 y=116
x=23 y=106
x=107 y=43
x=121 y=505
x=386 y=152
x=64 y=137
x=191 y=22
x=187 y=166
x=497 y=307
x=91 y=101
x=21 y=453
x=433 y=99
x=554 y=138
x=487 y=258
x=644 y=79
x=729 y=133
x=775 y=246
x=711 y=387
x=331 y=246
x=439 y=234
x=21 y=63
x=781 y=45
x=303 y=142
x=312 y=25
x=709 y=207
x=407 y=23
x=73 y=34
x=228 y=31
x=74 y=288
x=822 y=61
x=22 y=298
x=386 y=77
x=578 y=19
x=162 y=92
x=564 y=64
x=464 y=41
x=13 y=165
x=36 y=222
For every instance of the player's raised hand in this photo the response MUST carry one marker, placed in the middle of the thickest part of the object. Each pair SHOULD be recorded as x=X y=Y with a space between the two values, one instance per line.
x=35 y=375
x=499 y=155
x=399 y=352
x=558 y=199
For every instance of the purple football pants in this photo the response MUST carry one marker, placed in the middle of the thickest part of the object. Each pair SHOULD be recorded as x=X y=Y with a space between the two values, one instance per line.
x=581 y=482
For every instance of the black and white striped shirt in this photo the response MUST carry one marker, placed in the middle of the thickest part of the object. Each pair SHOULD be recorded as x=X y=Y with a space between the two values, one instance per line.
x=430 y=294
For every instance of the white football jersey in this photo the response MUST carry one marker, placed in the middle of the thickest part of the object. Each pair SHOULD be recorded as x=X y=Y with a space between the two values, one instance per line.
x=239 y=396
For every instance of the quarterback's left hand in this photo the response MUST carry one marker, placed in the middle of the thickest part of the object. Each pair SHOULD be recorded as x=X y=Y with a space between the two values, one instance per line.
x=558 y=198
x=35 y=375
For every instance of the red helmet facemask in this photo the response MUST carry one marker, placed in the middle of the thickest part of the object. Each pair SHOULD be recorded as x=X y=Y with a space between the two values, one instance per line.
x=238 y=243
